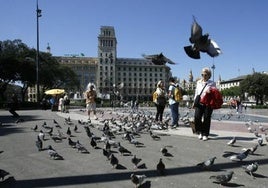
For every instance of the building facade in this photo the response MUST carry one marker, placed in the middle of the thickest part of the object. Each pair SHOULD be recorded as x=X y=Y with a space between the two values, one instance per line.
x=124 y=78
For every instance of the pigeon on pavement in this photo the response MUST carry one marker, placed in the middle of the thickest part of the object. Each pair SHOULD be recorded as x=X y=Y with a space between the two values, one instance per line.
x=222 y=178
x=206 y=165
x=240 y=156
x=114 y=161
x=135 y=161
x=39 y=144
x=137 y=179
x=160 y=167
x=232 y=142
x=253 y=167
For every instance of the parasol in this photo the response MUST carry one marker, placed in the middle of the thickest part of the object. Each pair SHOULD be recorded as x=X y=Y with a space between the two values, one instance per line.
x=55 y=91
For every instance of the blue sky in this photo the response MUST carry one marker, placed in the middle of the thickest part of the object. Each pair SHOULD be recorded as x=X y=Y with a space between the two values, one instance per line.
x=147 y=26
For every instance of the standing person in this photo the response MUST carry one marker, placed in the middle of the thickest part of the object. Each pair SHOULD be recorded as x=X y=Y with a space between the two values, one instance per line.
x=66 y=103
x=160 y=100
x=52 y=102
x=14 y=105
x=61 y=105
x=91 y=96
x=203 y=111
x=173 y=104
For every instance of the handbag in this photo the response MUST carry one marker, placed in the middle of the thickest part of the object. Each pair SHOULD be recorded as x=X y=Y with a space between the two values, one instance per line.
x=198 y=97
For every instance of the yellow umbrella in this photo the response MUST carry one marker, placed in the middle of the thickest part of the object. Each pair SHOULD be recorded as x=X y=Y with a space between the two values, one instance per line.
x=54 y=91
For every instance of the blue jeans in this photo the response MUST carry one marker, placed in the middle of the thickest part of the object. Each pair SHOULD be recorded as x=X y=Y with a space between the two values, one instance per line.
x=174 y=108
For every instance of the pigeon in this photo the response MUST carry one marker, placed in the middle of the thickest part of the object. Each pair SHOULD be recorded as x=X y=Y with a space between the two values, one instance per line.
x=260 y=141
x=153 y=136
x=41 y=135
x=53 y=154
x=93 y=143
x=201 y=43
x=35 y=128
x=80 y=147
x=240 y=156
x=206 y=165
x=158 y=59
x=160 y=167
x=222 y=178
x=3 y=174
x=69 y=133
x=123 y=150
x=164 y=151
x=75 y=128
x=106 y=153
x=39 y=143
x=253 y=167
x=113 y=161
x=232 y=142
x=252 y=149
x=135 y=161
x=137 y=179
x=55 y=122
x=71 y=143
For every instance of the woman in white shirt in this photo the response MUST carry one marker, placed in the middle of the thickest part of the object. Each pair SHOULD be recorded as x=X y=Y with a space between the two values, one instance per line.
x=203 y=111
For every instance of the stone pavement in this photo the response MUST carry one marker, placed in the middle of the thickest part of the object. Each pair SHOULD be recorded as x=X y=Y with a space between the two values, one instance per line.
x=31 y=168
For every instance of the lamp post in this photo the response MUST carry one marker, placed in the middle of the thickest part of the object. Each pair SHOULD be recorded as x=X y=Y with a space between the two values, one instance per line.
x=213 y=68
x=38 y=14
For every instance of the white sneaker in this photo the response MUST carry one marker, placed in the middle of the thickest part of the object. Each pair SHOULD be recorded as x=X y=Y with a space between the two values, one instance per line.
x=205 y=138
x=95 y=117
x=200 y=136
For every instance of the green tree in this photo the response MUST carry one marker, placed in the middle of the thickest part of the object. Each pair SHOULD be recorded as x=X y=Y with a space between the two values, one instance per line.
x=17 y=63
x=256 y=85
x=231 y=92
x=12 y=56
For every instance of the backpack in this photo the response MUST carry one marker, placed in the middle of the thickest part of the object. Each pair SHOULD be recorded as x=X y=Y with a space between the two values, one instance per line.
x=155 y=95
x=177 y=94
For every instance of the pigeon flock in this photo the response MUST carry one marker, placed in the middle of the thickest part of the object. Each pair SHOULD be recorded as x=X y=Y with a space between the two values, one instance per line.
x=121 y=140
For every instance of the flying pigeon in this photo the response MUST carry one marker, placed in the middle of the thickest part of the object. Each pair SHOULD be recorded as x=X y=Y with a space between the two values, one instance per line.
x=222 y=178
x=160 y=167
x=137 y=179
x=206 y=164
x=201 y=43
x=253 y=167
x=158 y=59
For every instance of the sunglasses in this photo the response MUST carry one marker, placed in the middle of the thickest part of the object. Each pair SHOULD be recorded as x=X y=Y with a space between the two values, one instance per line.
x=204 y=74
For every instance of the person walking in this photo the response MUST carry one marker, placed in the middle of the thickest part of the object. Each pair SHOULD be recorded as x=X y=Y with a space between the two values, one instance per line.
x=160 y=100
x=203 y=111
x=173 y=104
x=14 y=105
x=91 y=96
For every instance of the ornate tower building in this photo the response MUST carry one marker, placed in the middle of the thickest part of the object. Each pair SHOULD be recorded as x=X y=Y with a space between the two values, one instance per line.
x=106 y=77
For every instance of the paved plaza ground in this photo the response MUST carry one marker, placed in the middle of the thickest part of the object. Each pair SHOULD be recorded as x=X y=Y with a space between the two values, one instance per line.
x=28 y=167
